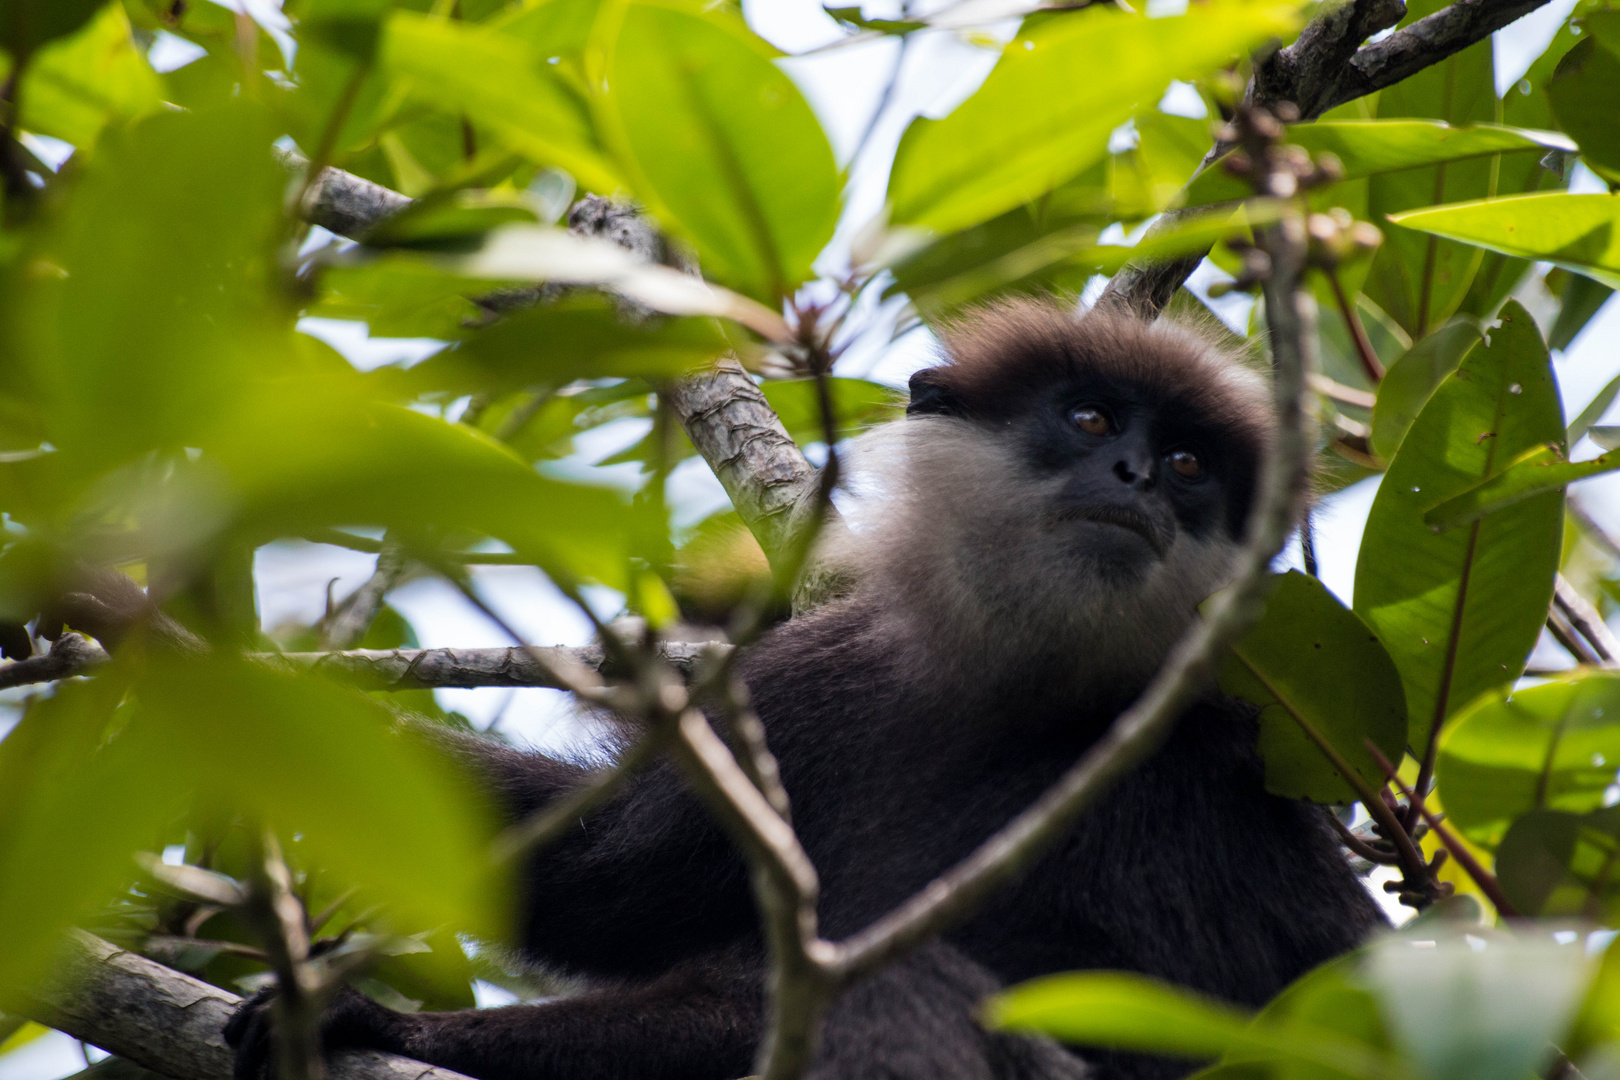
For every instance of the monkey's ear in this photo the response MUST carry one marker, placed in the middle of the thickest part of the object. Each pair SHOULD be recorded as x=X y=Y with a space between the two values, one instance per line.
x=931 y=397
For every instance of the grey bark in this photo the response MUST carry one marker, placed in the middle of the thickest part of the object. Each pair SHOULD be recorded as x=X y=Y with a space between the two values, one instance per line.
x=168 y=1021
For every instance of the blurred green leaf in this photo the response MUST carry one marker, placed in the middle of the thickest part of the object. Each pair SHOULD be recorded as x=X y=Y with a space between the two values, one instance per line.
x=721 y=145
x=1132 y=1012
x=1043 y=116
x=498 y=82
x=400 y=295
x=1407 y=384
x=1554 y=863
x=1484 y=1006
x=1419 y=280
x=1370 y=147
x=1459 y=611
x=78 y=85
x=1532 y=473
x=1577 y=232
x=555 y=344
x=151 y=292
x=1320 y=677
x=72 y=812
x=25 y=25
x=1554 y=746
x=375 y=801
x=349 y=26
x=1151 y=176
x=1581 y=92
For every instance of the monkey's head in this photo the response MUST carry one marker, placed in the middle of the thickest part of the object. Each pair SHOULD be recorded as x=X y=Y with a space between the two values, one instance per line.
x=1066 y=481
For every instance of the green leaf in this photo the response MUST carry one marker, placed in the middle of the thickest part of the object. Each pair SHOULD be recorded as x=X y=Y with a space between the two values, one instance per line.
x=555 y=344
x=1474 y=1005
x=1324 y=686
x=400 y=295
x=78 y=85
x=1459 y=611
x=1533 y=473
x=1419 y=280
x=1577 y=232
x=1369 y=147
x=1410 y=380
x=722 y=145
x=25 y=25
x=1581 y=92
x=1554 y=746
x=501 y=84
x=1043 y=116
x=1133 y=1012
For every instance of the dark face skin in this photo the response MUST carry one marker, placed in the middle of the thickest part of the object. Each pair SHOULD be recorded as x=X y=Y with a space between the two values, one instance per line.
x=1134 y=472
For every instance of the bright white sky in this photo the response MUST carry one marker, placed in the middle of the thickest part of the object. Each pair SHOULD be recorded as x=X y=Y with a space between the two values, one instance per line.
x=843 y=86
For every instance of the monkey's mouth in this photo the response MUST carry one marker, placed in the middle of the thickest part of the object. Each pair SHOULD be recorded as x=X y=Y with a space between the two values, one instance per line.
x=1122 y=517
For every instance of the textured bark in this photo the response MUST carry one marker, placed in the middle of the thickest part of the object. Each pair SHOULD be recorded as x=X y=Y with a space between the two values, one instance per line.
x=344 y=203
x=167 y=1021
x=379 y=669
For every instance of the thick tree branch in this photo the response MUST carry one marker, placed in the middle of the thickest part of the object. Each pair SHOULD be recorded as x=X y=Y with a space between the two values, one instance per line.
x=1324 y=68
x=167 y=1021
x=381 y=669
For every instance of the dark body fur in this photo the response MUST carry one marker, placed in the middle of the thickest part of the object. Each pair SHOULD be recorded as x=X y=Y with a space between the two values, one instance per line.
x=910 y=723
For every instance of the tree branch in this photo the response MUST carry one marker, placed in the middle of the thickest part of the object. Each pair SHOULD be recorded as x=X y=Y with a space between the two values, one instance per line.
x=381 y=669
x=167 y=1021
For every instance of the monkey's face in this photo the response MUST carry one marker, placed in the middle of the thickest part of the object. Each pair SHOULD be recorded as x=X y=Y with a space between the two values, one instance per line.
x=1128 y=475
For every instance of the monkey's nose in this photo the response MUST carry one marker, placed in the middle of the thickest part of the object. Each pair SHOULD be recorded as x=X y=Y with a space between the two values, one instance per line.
x=1134 y=474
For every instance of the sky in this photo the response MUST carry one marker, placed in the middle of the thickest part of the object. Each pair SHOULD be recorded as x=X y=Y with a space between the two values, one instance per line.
x=844 y=86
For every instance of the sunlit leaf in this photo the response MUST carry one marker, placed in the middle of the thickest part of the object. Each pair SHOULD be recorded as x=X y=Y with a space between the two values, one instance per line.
x=1578 y=232
x=536 y=253
x=555 y=344
x=1369 y=147
x=1043 y=116
x=722 y=145
x=1531 y=474
x=857 y=404
x=1554 y=746
x=1324 y=686
x=1459 y=611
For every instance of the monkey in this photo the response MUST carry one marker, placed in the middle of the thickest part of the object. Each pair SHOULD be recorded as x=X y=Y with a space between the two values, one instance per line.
x=1036 y=533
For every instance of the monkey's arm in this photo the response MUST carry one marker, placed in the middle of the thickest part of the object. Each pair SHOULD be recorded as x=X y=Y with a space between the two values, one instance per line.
x=700 y=1021
x=644 y=881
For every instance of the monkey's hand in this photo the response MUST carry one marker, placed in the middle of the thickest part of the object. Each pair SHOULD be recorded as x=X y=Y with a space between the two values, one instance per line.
x=351 y=1021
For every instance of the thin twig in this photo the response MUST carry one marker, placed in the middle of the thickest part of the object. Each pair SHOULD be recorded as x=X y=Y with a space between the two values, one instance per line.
x=1586 y=619
x=1358 y=333
x=1359 y=846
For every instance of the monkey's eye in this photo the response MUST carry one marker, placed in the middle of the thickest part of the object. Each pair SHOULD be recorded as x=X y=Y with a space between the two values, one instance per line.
x=1091 y=420
x=1186 y=463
